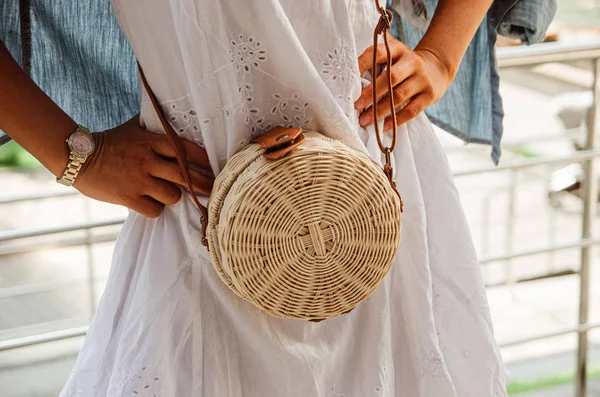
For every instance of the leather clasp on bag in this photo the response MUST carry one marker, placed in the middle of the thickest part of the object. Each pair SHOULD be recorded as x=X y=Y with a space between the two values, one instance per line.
x=280 y=141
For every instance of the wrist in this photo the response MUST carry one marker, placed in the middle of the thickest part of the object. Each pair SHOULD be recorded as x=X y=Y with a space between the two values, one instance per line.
x=81 y=146
x=446 y=64
x=98 y=139
x=56 y=157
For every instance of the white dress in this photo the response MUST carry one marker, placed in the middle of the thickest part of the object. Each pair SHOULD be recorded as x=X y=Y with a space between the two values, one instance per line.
x=224 y=72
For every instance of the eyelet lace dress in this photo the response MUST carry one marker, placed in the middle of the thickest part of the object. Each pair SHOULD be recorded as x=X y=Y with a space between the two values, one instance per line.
x=225 y=72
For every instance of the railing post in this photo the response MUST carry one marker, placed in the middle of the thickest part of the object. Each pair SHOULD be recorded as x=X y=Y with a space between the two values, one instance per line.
x=589 y=214
x=509 y=276
x=552 y=226
x=90 y=260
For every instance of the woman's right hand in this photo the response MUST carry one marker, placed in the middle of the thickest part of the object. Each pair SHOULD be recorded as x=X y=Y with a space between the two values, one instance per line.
x=137 y=169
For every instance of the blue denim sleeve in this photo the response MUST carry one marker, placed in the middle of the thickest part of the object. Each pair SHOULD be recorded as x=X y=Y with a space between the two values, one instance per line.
x=526 y=20
x=471 y=109
x=80 y=58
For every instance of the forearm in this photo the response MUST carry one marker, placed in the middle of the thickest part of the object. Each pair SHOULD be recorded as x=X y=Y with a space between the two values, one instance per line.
x=31 y=118
x=451 y=30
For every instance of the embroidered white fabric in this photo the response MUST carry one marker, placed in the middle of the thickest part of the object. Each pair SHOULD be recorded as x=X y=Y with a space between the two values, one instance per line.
x=224 y=72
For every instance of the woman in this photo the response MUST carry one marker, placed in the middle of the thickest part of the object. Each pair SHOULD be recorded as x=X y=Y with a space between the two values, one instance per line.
x=225 y=72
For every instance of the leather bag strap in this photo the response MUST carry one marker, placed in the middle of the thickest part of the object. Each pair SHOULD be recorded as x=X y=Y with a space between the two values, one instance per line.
x=382 y=27
x=180 y=153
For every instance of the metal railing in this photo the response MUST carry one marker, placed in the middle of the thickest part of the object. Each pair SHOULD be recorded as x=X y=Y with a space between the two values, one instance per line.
x=507 y=57
x=519 y=56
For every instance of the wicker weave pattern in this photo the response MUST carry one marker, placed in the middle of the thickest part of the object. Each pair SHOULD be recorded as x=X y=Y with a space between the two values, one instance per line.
x=308 y=236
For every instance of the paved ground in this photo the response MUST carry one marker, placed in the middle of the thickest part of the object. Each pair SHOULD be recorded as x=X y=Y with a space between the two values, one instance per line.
x=52 y=287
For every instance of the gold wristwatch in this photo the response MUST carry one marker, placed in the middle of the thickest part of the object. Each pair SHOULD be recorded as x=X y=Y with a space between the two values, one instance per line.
x=81 y=146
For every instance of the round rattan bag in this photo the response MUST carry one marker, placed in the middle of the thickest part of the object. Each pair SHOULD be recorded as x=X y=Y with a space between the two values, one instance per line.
x=308 y=235
x=300 y=225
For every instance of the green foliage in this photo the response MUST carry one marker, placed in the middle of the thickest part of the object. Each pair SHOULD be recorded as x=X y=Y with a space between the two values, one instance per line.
x=558 y=379
x=14 y=156
x=524 y=152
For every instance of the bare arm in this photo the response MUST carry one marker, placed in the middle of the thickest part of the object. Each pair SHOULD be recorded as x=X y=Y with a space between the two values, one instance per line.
x=421 y=77
x=451 y=30
x=130 y=166
x=31 y=118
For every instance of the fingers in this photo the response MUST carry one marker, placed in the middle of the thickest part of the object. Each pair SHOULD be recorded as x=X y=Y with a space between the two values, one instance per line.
x=401 y=94
x=400 y=72
x=195 y=154
x=170 y=172
x=164 y=192
x=416 y=83
x=365 y=60
x=416 y=105
x=146 y=206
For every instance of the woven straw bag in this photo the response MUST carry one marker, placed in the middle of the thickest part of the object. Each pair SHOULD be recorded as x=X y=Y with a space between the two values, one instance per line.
x=298 y=224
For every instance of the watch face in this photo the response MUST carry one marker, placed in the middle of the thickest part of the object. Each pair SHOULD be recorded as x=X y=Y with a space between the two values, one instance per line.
x=81 y=143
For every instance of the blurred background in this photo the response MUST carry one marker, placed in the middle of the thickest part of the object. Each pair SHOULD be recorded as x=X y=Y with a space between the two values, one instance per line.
x=533 y=218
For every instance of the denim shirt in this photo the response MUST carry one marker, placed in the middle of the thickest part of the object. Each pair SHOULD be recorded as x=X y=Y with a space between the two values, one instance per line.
x=81 y=59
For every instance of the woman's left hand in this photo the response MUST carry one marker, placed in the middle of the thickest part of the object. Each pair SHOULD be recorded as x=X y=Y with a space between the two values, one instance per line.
x=419 y=79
